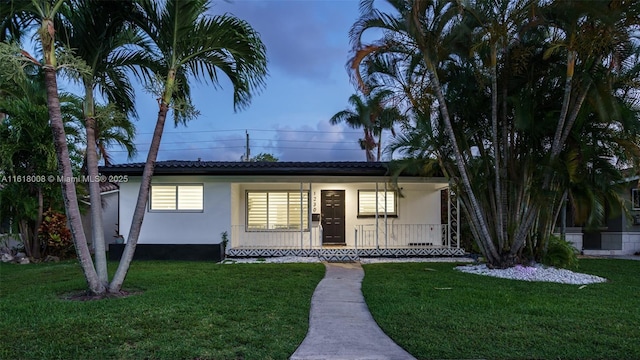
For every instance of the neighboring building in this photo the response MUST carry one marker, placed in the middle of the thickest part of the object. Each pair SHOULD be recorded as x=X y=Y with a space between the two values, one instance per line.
x=109 y=193
x=336 y=210
x=618 y=235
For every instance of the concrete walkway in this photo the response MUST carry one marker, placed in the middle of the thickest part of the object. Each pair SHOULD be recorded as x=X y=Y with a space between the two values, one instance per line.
x=340 y=325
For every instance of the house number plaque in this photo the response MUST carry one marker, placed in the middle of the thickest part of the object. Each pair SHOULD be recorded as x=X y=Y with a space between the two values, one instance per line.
x=315 y=203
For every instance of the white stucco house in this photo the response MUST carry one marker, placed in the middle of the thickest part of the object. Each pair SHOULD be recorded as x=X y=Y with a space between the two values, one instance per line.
x=336 y=210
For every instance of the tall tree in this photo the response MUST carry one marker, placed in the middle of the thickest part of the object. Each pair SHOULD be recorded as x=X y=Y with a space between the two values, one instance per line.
x=27 y=158
x=264 y=157
x=501 y=91
x=189 y=44
x=43 y=14
x=101 y=41
x=113 y=128
x=373 y=115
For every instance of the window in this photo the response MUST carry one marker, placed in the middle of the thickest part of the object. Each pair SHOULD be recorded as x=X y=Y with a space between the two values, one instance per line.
x=635 y=199
x=367 y=203
x=177 y=198
x=277 y=210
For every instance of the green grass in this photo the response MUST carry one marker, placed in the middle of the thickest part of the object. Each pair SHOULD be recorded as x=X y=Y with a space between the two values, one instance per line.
x=491 y=318
x=187 y=310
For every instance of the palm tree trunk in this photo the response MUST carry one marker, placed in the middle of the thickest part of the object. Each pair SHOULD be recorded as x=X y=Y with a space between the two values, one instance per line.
x=475 y=210
x=37 y=246
x=500 y=233
x=26 y=237
x=97 y=231
x=556 y=145
x=379 y=146
x=367 y=145
x=141 y=204
x=69 y=196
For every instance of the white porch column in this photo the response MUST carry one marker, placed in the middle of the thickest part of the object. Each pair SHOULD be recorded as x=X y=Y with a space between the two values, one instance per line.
x=457 y=222
x=377 y=226
x=386 y=226
x=309 y=207
x=301 y=218
x=449 y=216
x=453 y=217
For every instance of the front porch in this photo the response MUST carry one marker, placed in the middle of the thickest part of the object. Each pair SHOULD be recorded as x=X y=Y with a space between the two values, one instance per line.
x=384 y=240
x=343 y=218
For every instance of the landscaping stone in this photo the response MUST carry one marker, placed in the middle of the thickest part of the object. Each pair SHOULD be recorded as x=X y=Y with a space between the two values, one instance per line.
x=51 y=258
x=534 y=273
x=24 y=261
x=6 y=257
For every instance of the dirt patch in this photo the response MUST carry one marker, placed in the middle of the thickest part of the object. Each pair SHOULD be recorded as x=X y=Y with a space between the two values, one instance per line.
x=86 y=295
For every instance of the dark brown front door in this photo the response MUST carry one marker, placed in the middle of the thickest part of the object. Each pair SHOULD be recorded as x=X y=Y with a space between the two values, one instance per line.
x=332 y=216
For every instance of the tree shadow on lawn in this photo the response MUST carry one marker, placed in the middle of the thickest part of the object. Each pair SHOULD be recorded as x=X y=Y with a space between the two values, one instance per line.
x=86 y=295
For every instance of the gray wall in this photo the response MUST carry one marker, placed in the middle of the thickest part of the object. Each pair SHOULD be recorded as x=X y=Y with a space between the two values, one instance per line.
x=109 y=218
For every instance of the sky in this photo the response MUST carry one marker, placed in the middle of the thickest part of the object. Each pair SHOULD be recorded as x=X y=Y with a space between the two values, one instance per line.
x=308 y=47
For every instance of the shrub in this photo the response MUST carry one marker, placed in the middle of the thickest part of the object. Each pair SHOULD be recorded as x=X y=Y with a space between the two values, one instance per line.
x=55 y=234
x=561 y=254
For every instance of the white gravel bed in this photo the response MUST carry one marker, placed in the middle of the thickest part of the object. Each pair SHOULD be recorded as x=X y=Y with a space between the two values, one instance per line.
x=534 y=273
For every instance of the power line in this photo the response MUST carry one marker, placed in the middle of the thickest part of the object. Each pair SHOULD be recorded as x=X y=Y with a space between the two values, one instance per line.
x=238 y=140
x=242 y=147
x=260 y=130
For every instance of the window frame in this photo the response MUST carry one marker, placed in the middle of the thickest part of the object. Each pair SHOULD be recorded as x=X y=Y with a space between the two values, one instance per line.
x=380 y=213
x=635 y=199
x=305 y=217
x=177 y=201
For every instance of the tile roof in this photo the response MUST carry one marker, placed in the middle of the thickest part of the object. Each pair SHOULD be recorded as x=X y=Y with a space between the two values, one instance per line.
x=344 y=168
x=106 y=186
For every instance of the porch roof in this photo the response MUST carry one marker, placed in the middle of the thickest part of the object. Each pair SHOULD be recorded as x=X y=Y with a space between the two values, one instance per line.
x=334 y=168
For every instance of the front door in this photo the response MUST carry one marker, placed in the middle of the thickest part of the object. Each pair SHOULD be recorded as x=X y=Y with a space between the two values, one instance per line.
x=332 y=210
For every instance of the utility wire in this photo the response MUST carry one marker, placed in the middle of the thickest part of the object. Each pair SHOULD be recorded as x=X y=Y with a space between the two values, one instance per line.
x=242 y=147
x=239 y=140
x=261 y=130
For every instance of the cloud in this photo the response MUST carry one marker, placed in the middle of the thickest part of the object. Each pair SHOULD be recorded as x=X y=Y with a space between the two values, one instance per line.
x=322 y=143
x=307 y=39
x=189 y=146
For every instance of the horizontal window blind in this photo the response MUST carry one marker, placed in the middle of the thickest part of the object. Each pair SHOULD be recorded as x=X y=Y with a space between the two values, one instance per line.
x=190 y=197
x=163 y=197
x=257 y=211
x=277 y=210
x=177 y=197
x=367 y=201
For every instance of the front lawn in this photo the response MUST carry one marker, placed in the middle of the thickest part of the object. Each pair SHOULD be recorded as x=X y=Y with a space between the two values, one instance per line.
x=187 y=310
x=435 y=312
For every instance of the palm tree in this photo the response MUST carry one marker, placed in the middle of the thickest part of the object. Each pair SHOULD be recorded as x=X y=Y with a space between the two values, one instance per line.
x=373 y=116
x=43 y=14
x=357 y=118
x=190 y=44
x=480 y=84
x=26 y=149
x=113 y=128
x=107 y=61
